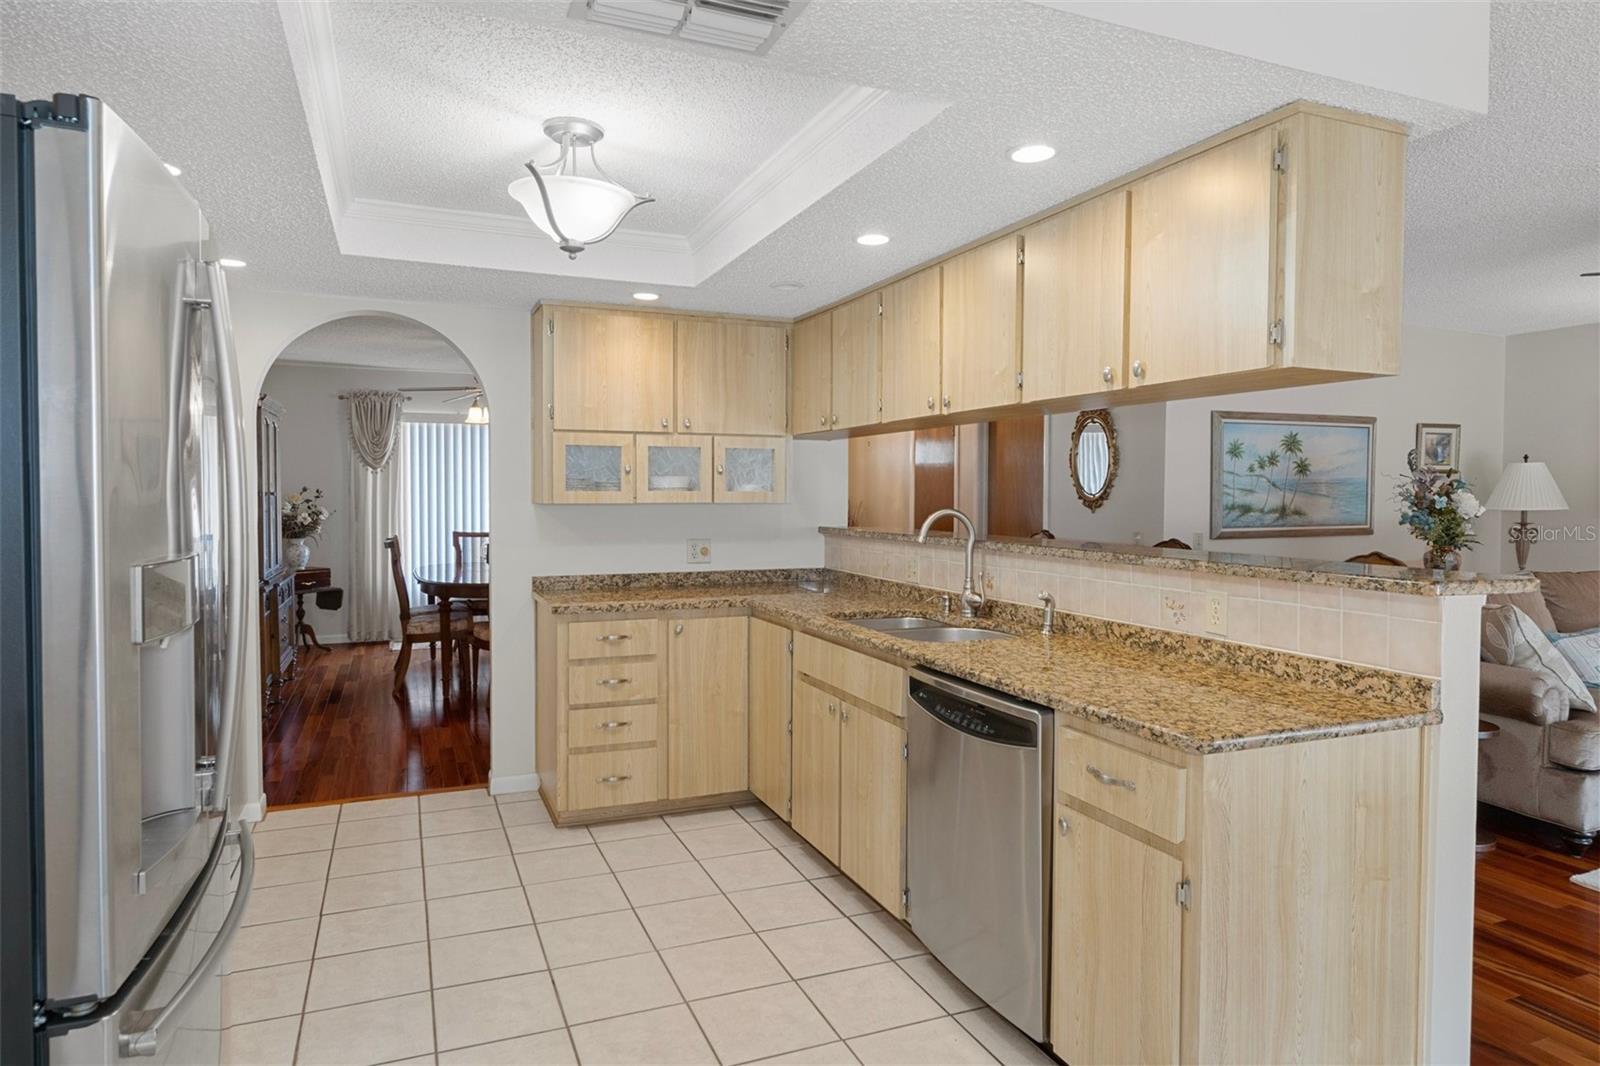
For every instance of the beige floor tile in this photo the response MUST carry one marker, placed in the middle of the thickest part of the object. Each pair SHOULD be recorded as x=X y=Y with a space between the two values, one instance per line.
x=683 y=823
x=755 y=812
x=460 y=820
x=291 y=841
x=553 y=1048
x=889 y=934
x=809 y=861
x=365 y=1033
x=270 y=992
x=723 y=840
x=339 y=980
x=530 y=813
x=464 y=847
x=575 y=897
x=690 y=921
x=376 y=831
x=536 y=836
x=616 y=986
x=272 y=945
x=280 y=904
x=560 y=864
x=298 y=818
x=843 y=893
x=1005 y=1041
x=941 y=1040
x=592 y=937
x=460 y=960
x=458 y=915
x=495 y=1010
x=291 y=869
x=375 y=927
x=834 y=1054
x=269 y=1043
x=718 y=967
x=668 y=1035
x=822 y=947
x=870 y=999
x=777 y=834
x=376 y=858
x=462 y=797
x=637 y=853
x=639 y=827
x=663 y=884
x=756 y=869
x=381 y=808
x=474 y=875
x=940 y=983
x=372 y=890
x=780 y=905
x=761 y=1022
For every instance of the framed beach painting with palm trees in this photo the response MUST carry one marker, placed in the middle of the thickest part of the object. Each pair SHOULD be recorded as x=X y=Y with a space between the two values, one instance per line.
x=1290 y=475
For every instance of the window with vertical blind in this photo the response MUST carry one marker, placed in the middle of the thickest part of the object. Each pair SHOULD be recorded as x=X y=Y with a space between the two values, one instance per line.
x=447 y=488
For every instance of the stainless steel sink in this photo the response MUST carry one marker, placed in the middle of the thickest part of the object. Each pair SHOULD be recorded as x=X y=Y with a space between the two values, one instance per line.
x=899 y=621
x=914 y=627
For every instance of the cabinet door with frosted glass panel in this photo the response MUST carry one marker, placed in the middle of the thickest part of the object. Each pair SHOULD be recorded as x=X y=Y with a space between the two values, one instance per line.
x=751 y=470
x=675 y=468
x=592 y=468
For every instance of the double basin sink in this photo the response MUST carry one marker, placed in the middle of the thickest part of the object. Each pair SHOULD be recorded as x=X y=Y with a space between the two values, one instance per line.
x=930 y=630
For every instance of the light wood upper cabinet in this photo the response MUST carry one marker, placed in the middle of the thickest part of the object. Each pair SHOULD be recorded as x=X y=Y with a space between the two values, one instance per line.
x=857 y=347
x=815 y=768
x=911 y=346
x=771 y=687
x=732 y=377
x=707 y=692
x=1202 y=258
x=673 y=468
x=592 y=468
x=1074 y=284
x=811 y=375
x=750 y=470
x=872 y=804
x=980 y=325
x=613 y=370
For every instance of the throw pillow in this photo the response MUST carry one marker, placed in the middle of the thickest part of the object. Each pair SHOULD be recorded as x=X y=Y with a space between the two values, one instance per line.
x=1582 y=651
x=1530 y=604
x=1511 y=639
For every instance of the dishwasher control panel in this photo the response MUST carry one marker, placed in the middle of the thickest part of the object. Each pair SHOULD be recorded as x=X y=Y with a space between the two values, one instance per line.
x=973 y=718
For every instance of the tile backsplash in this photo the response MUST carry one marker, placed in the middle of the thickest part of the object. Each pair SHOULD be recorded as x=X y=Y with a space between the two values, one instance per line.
x=1393 y=631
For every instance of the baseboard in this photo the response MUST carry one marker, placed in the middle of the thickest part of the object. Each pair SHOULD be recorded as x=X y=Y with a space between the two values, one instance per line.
x=504 y=785
x=254 y=812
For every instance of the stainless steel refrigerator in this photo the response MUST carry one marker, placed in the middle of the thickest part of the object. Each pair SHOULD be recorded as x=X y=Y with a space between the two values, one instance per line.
x=123 y=592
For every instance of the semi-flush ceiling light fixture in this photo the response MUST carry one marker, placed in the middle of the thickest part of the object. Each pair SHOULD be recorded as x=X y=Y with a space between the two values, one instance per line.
x=1032 y=153
x=572 y=210
x=872 y=240
x=647 y=297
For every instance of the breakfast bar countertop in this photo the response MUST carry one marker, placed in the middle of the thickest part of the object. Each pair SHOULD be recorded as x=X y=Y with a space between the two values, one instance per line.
x=1193 y=694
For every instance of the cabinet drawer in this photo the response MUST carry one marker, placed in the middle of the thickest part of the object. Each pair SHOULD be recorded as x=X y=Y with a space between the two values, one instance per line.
x=613 y=778
x=1140 y=790
x=591 y=727
x=613 y=682
x=605 y=639
x=861 y=677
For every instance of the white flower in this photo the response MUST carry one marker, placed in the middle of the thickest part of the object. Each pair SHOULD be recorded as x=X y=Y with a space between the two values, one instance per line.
x=1467 y=504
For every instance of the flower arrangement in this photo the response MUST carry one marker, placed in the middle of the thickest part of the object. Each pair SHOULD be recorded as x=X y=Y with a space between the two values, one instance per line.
x=1438 y=507
x=303 y=514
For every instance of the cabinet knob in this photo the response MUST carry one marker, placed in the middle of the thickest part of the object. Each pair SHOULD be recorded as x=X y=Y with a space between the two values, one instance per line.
x=930 y=403
x=832 y=708
x=685 y=423
x=677 y=630
x=1062 y=822
x=719 y=468
x=835 y=420
x=666 y=423
x=822 y=420
x=947 y=403
x=844 y=714
x=1138 y=368
x=627 y=469
x=1106 y=374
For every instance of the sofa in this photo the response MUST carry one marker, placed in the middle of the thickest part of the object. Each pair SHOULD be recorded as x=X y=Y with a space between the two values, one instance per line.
x=1545 y=761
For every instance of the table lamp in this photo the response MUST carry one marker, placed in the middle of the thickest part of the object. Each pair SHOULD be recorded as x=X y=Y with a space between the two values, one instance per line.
x=1524 y=487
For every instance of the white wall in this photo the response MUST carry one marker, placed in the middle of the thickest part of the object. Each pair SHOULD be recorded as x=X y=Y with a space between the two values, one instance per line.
x=313 y=450
x=1444 y=377
x=1552 y=396
x=1133 y=511
x=533 y=540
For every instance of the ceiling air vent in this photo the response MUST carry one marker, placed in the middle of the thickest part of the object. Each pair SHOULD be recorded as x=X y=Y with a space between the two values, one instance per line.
x=743 y=25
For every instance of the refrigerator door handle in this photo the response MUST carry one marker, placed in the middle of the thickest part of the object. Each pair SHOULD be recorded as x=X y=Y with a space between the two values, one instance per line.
x=146 y=1041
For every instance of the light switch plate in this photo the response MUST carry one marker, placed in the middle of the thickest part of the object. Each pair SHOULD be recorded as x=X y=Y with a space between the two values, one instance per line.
x=699 y=551
x=1217 y=614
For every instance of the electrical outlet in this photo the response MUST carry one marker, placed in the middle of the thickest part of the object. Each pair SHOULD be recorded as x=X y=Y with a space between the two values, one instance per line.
x=1217 y=614
x=699 y=551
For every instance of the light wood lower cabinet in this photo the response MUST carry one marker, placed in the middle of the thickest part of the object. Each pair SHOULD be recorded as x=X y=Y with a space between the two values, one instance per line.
x=815 y=772
x=872 y=803
x=771 y=689
x=707 y=693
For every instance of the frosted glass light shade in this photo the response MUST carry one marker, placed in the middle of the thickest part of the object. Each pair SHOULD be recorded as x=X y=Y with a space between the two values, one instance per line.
x=586 y=208
x=1526 y=487
x=477 y=414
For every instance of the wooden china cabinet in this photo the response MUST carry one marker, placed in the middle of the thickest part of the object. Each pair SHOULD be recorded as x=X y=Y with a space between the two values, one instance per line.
x=276 y=595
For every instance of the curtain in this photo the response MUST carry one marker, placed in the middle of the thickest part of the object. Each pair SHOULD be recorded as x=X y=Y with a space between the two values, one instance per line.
x=378 y=511
x=447 y=486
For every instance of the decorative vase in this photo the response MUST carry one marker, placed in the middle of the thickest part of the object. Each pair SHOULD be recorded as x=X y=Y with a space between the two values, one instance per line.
x=1442 y=559
x=298 y=553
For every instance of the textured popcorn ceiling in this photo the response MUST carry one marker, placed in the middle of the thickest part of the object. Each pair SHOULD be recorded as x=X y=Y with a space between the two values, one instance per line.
x=1502 y=210
x=379 y=341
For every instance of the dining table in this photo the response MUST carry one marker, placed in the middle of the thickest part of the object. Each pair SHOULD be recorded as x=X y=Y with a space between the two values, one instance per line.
x=467 y=579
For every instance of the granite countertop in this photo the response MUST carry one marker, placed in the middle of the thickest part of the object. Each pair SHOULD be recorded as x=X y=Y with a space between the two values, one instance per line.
x=1145 y=682
x=1403 y=579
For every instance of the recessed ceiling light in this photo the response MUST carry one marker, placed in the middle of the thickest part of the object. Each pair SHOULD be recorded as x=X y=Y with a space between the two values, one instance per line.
x=232 y=264
x=787 y=286
x=872 y=240
x=174 y=171
x=1032 y=153
x=647 y=297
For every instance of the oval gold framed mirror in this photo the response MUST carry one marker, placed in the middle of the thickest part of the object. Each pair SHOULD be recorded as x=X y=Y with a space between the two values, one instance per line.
x=1092 y=458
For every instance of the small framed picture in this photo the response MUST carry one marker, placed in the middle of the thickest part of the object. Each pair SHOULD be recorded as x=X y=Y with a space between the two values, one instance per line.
x=1438 y=446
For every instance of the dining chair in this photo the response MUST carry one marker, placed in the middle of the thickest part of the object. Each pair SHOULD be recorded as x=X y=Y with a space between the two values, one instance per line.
x=1376 y=559
x=459 y=540
x=1171 y=542
x=420 y=625
x=480 y=643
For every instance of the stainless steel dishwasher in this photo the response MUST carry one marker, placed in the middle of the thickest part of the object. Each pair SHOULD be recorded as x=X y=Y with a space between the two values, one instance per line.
x=980 y=770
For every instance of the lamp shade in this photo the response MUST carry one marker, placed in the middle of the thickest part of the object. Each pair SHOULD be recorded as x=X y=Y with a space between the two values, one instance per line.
x=586 y=209
x=1526 y=486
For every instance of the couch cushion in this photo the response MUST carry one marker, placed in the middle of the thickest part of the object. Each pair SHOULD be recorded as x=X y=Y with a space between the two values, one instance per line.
x=1511 y=639
x=1582 y=652
x=1575 y=743
x=1573 y=597
x=1530 y=604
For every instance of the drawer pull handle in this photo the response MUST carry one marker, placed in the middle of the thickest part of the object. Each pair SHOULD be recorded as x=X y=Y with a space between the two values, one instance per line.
x=613 y=724
x=1106 y=779
x=609 y=681
x=612 y=638
x=614 y=778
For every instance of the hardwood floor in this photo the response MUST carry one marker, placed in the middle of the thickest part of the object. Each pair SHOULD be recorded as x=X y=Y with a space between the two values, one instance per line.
x=344 y=735
x=1536 y=955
